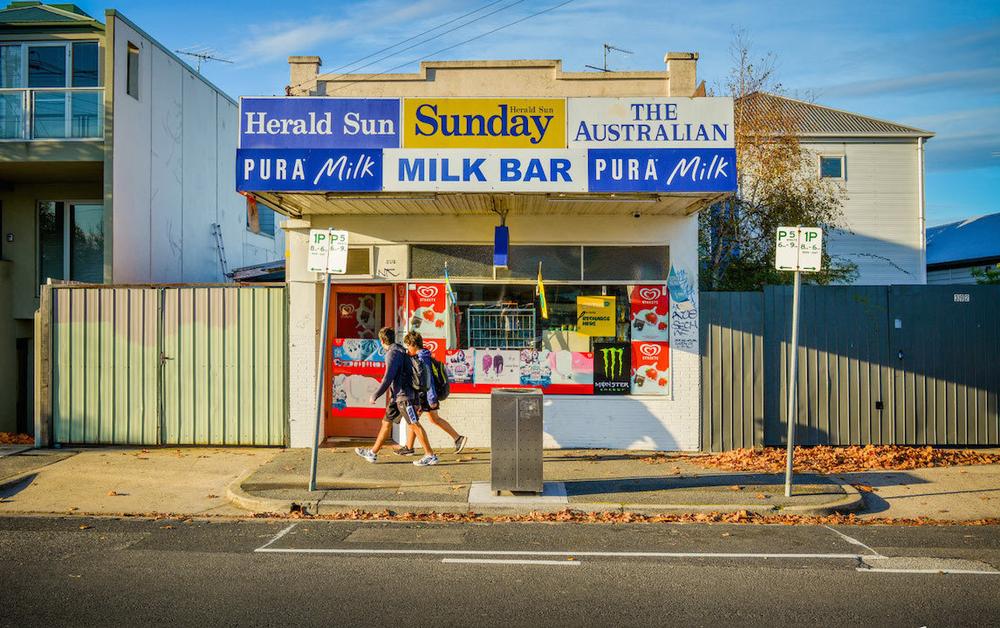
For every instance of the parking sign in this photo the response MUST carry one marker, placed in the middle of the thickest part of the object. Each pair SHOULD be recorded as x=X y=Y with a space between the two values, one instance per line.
x=327 y=251
x=799 y=248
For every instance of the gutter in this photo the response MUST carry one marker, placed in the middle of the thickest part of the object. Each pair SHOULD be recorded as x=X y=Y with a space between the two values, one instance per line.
x=921 y=210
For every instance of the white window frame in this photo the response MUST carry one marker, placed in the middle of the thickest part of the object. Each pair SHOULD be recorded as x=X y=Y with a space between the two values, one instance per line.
x=843 y=165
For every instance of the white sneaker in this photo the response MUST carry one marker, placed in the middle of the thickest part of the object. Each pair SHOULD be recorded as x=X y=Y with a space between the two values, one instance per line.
x=426 y=461
x=367 y=454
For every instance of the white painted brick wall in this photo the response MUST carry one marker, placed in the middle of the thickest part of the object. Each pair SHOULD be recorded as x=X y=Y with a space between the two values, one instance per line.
x=302 y=346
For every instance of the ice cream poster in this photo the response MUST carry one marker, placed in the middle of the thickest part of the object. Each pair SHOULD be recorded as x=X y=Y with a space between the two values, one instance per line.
x=649 y=307
x=352 y=392
x=497 y=366
x=427 y=309
x=436 y=347
x=650 y=368
x=458 y=363
x=356 y=316
x=357 y=352
x=546 y=369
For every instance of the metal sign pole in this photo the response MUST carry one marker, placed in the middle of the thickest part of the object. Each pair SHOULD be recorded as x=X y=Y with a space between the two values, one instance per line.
x=793 y=376
x=320 y=382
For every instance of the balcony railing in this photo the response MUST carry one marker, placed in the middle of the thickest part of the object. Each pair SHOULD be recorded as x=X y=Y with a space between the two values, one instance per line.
x=52 y=113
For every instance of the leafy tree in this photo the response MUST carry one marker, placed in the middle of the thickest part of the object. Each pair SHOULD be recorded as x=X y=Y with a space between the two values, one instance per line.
x=987 y=276
x=777 y=185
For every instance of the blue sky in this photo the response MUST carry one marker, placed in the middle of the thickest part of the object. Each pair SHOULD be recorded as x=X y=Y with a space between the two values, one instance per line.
x=934 y=65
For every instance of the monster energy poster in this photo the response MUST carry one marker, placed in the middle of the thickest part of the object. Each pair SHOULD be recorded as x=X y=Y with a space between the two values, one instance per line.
x=612 y=368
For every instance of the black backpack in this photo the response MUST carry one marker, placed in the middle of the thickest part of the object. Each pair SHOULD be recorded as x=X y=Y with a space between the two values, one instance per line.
x=440 y=377
x=416 y=374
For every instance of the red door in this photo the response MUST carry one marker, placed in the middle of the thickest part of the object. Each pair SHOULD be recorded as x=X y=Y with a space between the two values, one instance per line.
x=357 y=312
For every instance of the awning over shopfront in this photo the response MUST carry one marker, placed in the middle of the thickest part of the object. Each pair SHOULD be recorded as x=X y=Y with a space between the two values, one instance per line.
x=298 y=204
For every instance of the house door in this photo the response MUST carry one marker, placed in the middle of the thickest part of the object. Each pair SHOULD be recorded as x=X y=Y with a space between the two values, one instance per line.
x=355 y=358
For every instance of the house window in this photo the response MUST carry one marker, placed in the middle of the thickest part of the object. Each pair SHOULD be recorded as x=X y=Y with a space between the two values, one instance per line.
x=831 y=167
x=71 y=241
x=132 y=71
x=265 y=219
x=59 y=101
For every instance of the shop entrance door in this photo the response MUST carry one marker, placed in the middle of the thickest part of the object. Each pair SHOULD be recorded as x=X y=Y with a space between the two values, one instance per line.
x=354 y=358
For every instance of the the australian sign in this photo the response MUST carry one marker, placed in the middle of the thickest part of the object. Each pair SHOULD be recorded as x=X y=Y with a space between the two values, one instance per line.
x=620 y=145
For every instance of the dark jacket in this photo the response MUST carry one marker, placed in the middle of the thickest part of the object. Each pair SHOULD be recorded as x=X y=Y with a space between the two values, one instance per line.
x=398 y=378
x=425 y=361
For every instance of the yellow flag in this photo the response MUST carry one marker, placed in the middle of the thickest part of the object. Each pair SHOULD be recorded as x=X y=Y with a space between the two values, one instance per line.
x=541 y=294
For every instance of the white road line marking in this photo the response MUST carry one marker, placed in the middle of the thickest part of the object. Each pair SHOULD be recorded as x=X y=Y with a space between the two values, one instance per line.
x=436 y=552
x=277 y=536
x=941 y=571
x=509 y=561
x=853 y=541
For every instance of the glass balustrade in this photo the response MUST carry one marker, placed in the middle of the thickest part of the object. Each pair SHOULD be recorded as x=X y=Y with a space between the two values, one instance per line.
x=31 y=114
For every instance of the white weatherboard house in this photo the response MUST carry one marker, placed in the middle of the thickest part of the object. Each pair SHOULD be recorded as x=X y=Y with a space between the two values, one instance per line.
x=881 y=166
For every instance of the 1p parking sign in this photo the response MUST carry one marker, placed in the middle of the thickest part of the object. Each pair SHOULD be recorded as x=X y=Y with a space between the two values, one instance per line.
x=327 y=251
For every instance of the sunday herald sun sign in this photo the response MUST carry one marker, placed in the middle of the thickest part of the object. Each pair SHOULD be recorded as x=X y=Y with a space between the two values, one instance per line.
x=620 y=145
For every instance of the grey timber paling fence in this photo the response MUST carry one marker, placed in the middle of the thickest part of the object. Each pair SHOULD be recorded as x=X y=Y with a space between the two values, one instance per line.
x=916 y=365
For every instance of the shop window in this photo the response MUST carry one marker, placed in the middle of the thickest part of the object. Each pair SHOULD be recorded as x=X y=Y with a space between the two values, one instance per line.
x=559 y=263
x=626 y=263
x=71 y=241
x=132 y=71
x=473 y=261
x=831 y=167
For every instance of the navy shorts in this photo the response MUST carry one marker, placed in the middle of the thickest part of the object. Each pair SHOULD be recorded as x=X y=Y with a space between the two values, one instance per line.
x=398 y=408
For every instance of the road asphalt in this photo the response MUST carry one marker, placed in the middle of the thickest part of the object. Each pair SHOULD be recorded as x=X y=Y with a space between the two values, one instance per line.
x=86 y=572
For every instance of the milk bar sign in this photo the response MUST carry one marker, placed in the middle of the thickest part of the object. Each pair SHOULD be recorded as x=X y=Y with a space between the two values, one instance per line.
x=603 y=145
x=799 y=248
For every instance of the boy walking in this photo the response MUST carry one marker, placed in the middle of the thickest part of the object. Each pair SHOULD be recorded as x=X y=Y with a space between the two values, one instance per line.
x=427 y=400
x=400 y=400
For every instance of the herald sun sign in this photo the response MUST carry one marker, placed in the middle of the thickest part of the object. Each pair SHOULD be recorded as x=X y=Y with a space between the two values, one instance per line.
x=799 y=248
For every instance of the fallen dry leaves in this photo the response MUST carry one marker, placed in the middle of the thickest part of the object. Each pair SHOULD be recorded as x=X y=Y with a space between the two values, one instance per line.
x=13 y=438
x=824 y=459
x=623 y=517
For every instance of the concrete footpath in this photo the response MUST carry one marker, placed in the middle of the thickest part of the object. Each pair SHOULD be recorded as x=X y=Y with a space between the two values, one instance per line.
x=587 y=480
x=208 y=481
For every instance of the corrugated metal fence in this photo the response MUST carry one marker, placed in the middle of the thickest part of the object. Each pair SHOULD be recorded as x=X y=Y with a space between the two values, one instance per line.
x=169 y=365
x=877 y=364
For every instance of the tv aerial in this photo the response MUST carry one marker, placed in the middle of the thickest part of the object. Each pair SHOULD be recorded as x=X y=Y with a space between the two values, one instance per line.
x=609 y=48
x=202 y=55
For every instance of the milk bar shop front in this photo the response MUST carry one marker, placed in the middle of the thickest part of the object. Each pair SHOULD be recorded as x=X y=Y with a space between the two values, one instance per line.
x=537 y=227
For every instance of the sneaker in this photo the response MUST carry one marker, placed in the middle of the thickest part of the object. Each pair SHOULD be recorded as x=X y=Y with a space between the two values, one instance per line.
x=405 y=451
x=460 y=444
x=426 y=461
x=367 y=454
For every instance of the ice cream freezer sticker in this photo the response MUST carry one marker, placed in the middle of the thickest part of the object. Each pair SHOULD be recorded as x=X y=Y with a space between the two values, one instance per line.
x=649 y=308
x=427 y=303
x=356 y=367
x=650 y=368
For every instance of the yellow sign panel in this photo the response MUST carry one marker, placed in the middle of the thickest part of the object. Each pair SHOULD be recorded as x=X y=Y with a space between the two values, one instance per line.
x=596 y=316
x=484 y=123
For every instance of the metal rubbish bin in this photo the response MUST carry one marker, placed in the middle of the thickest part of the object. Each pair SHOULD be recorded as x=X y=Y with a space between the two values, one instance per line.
x=516 y=440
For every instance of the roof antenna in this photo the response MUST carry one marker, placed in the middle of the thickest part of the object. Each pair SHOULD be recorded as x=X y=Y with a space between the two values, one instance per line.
x=202 y=55
x=609 y=48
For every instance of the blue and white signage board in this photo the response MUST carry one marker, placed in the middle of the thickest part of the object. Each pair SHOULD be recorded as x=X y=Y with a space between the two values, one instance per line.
x=661 y=170
x=650 y=123
x=309 y=170
x=472 y=170
x=602 y=145
x=319 y=123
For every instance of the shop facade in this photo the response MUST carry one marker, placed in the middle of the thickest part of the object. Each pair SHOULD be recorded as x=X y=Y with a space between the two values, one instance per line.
x=538 y=228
